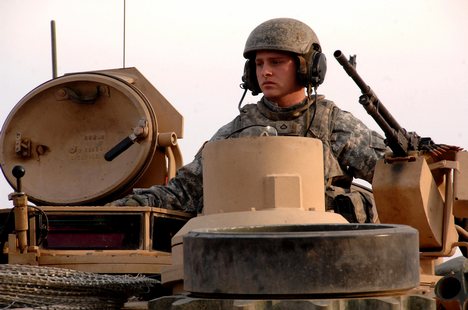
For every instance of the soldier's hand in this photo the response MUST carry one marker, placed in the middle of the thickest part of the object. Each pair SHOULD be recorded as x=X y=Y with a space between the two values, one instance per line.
x=131 y=200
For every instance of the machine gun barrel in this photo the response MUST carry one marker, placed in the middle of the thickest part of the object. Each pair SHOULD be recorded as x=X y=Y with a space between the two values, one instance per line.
x=397 y=137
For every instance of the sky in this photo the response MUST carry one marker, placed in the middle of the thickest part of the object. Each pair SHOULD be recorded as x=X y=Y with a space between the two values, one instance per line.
x=411 y=53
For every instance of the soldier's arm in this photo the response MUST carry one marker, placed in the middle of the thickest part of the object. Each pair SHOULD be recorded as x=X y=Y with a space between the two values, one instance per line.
x=183 y=192
x=357 y=147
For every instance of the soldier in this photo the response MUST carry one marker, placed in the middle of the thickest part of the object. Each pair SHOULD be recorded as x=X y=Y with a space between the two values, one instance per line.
x=286 y=64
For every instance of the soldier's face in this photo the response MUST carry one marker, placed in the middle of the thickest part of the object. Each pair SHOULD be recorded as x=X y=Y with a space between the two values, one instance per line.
x=276 y=75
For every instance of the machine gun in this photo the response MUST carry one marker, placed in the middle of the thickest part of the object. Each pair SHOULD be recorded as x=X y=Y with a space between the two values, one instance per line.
x=425 y=192
x=400 y=141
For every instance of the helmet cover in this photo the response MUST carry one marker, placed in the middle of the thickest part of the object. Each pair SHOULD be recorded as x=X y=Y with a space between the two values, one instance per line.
x=282 y=34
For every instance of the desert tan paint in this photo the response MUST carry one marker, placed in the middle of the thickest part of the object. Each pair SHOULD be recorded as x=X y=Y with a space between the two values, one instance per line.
x=257 y=173
x=67 y=145
x=256 y=181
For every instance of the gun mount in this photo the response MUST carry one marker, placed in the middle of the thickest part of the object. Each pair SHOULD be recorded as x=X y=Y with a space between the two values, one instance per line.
x=419 y=184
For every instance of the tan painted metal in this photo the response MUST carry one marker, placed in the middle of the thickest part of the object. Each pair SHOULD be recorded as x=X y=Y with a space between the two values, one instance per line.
x=20 y=204
x=257 y=181
x=406 y=192
x=460 y=206
x=61 y=130
x=59 y=133
x=256 y=173
x=143 y=260
x=426 y=196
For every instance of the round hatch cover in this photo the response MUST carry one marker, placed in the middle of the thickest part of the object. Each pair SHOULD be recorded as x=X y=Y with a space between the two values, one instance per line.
x=61 y=131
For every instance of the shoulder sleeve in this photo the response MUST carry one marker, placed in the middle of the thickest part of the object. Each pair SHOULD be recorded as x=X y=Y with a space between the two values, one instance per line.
x=225 y=131
x=185 y=191
x=356 y=147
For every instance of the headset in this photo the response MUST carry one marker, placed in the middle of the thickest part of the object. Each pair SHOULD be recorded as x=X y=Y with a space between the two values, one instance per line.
x=311 y=70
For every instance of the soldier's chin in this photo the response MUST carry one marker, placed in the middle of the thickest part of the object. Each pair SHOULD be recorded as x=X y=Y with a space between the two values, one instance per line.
x=271 y=95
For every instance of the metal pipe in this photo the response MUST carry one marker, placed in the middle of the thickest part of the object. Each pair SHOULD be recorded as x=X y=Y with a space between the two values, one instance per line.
x=54 y=49
x=124 y=30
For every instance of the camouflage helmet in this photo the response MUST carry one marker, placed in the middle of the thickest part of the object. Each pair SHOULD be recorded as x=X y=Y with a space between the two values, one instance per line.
x=282 y=34
x=288 y=35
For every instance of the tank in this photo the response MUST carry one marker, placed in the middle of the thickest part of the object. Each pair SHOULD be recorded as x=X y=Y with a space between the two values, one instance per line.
x=264 y=239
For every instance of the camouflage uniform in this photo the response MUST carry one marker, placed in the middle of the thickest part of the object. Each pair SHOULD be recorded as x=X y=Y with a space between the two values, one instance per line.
x=350 y=150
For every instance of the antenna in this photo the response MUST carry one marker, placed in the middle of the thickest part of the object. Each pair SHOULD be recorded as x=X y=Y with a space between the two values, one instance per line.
x=54 y=49
x=124 y=22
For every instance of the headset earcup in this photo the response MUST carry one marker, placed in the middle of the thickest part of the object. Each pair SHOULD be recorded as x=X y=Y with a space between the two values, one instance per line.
x=317 y=69
x=249 y=78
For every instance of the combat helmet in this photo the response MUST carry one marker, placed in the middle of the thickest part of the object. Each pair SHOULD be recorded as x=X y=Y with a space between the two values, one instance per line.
x=289 y=35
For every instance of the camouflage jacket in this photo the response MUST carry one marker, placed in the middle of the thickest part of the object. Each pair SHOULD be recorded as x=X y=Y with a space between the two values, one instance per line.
x=351 y=150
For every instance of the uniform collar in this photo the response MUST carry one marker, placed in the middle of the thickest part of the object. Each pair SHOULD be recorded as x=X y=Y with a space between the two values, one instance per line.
x=274 y=112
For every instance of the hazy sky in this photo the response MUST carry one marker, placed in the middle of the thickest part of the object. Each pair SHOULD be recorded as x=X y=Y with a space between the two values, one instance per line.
x=412 y=53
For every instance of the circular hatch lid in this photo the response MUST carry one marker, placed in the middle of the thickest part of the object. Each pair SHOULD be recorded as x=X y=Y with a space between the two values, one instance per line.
x=61 y=131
